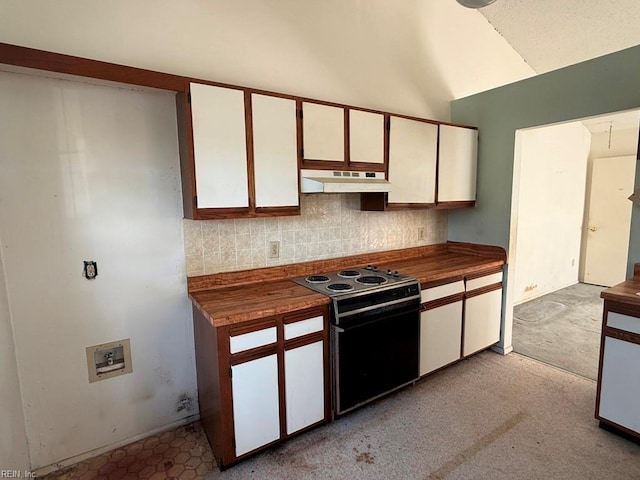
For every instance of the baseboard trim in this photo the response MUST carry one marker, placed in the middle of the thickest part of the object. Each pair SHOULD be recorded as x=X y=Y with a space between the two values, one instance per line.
x=39 y=472
x=502 y=350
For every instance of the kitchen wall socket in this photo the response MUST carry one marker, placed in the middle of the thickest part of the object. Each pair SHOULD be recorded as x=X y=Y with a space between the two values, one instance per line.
x=274 y=249
x=421 y=233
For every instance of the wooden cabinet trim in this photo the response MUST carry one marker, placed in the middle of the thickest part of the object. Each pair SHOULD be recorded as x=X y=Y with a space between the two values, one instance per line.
x=252 y=326
x=305 y=314
x=621 y=335
x=483 y=290
x=483 y=273
x=456 y=204
x=440 y=302
x=253 y=354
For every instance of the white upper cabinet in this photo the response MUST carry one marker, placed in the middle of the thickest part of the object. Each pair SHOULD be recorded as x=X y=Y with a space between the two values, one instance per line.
x=323 y=132
x=275 y=151
x=457 y=162
x=412 y=161
x=219 y=142
x=366 y=137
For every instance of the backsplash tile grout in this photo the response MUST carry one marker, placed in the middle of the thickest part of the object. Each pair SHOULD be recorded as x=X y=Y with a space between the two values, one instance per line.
x=330 y=225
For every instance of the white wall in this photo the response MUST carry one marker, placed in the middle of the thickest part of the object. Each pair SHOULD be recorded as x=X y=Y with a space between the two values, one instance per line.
x=411 y=57
x=92 y=173
x=551 y=166
x=14 y=451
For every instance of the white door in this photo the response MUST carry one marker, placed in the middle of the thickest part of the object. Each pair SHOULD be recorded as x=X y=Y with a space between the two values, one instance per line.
x=323 y=132
x=275 y=151
x=609 y=220
x=304 y=381
x=440 y=336
x=256 y=411
x=412 y=161
x=457 y=162
x=219 y=145
x=366 y=137
x=620 y=385
x=482 y=321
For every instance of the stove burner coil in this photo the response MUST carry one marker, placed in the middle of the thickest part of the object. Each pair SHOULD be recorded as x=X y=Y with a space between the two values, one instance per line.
x=317 y=279
x=340 y=287
x=349 y=274
x=371 y=280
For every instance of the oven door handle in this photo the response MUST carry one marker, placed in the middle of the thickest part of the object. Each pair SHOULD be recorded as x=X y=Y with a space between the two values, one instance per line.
x=410 y=311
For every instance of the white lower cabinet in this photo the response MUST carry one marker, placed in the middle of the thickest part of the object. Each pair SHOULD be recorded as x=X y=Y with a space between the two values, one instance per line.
x=620 y=387
x=482 y=317
x=440 y=336
x=256 y=408
x=304 y=386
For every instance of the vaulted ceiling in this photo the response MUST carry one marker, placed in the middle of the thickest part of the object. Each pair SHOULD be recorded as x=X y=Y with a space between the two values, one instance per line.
x=551 y=34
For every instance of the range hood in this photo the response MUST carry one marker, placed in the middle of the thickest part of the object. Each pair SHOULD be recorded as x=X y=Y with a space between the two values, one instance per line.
x=330 y=181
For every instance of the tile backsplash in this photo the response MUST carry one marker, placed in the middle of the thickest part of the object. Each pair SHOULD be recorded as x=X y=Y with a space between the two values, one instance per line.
x=330 y=225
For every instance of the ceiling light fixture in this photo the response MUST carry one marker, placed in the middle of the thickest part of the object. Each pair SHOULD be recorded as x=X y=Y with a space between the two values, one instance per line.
x=475 y=3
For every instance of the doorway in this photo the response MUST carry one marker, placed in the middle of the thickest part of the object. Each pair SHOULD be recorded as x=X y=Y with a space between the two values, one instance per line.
x=570 y=240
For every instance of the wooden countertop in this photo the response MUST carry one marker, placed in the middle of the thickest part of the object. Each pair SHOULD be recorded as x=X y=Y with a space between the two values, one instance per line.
x=625 y=292
x=240 y=301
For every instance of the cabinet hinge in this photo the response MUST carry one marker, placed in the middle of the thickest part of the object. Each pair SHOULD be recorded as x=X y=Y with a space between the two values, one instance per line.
x=233 y=442
x=195 y=201
x=230 y=373
x=189 y=98
x=300 y=113
x=302 y=153
x=388 y=124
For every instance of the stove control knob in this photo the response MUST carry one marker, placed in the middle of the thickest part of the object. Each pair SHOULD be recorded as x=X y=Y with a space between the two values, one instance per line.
x=374 y=268
x=396 y=274
x=389 y=272
x=369 y=267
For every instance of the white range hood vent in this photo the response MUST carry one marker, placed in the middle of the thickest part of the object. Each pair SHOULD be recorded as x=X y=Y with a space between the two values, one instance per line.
x=330 y=181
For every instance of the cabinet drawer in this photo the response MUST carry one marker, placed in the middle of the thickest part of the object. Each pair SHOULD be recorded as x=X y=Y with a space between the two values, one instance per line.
x=434 y=293
x=247 y=341
x=623 y=322
x=303 y=327
x=476 y=283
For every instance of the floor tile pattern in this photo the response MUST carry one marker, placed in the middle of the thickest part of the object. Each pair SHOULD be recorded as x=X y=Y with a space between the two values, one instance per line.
x=180 y=454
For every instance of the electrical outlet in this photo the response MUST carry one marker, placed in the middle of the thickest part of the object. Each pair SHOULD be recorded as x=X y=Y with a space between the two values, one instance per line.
x=421 y=233
x=274 y=249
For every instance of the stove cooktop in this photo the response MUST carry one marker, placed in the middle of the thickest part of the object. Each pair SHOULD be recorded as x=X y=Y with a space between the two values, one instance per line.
x=351 y=280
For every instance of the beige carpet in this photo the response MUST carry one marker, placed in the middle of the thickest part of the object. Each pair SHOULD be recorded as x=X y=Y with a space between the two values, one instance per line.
x=488 y=417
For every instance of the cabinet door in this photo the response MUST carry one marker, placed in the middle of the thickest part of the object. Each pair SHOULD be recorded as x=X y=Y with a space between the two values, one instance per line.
x=304 y=386
x=219 y=142
x=482 y=321
x=323 y=132
x=440 y=336
x=457 y=162
x=366 y=137
x=412 y=161
x=275 y=151
x=256 y=412
x=620 y=385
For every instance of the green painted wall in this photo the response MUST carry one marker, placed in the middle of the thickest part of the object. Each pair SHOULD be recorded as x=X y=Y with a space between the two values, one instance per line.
x=603 y=85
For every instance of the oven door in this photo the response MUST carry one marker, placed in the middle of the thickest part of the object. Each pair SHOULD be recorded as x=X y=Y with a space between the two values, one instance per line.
x=376 y=356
